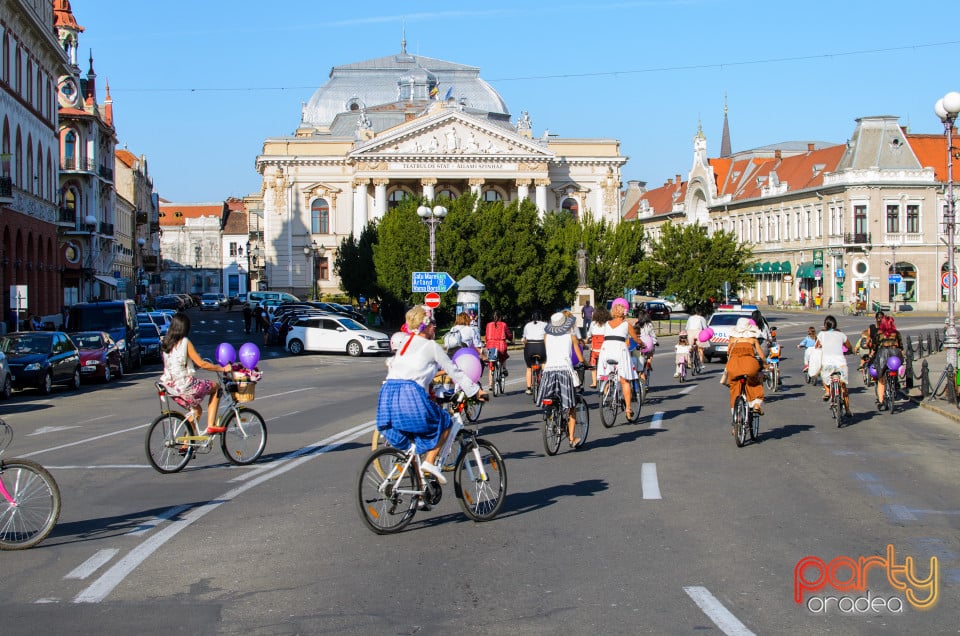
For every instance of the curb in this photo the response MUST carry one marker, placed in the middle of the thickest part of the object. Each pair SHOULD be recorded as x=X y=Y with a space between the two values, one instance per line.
x=934 y=406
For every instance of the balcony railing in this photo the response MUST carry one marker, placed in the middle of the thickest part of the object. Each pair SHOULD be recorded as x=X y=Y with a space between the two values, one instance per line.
x=6 y=188
x=857 y=239
x=73 y=163
x=106 y=229
x=106 y=173
x=67 y=216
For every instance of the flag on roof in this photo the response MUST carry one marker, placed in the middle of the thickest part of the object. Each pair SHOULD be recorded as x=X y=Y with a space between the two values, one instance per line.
x=435 y=91
x=449 y=94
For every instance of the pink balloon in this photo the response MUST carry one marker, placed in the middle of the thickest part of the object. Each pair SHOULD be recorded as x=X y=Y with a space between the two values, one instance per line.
x=705 y=334
x=647 y=344
x=470 y=365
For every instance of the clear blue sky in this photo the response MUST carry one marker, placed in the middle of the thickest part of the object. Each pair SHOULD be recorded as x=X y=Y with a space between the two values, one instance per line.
x=199 y=85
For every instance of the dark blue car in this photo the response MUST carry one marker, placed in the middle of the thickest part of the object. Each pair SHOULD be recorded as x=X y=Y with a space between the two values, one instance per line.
x=40 y=359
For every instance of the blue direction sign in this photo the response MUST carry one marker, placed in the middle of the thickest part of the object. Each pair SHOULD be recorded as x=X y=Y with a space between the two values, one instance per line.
x=894 y=278
x=432 y=281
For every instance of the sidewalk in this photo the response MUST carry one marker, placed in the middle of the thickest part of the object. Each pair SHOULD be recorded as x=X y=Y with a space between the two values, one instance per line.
x=935 y=363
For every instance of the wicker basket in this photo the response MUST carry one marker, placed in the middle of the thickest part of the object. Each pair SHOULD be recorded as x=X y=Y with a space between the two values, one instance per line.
x=245 y=391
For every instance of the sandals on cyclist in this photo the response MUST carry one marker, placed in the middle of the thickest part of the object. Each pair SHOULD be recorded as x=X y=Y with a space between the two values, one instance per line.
x=826 y=397
x=629 y=415
x=428 y=468
x=575 y=442
x=211 y=430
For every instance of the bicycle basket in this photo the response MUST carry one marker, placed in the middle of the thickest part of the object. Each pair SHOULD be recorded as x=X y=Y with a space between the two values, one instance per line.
x=493 y=354
x=245 y=391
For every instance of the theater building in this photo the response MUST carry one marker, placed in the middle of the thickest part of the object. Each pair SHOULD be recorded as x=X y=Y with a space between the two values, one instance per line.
x=407 y=126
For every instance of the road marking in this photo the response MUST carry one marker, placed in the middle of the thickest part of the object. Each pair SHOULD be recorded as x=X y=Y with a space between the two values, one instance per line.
x=648 y=481
x=50 y=429
x=166 y=515
x=96 y=419
x=96 y=466
x=657 y=420
x=264 y=397
x=109 y=580
x=715 y=611
x=92 y=564
x=688 y=389
x=277 y=417
x=85 y=441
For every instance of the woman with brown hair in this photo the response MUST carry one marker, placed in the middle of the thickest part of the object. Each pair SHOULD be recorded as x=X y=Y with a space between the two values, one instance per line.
x=744 y=358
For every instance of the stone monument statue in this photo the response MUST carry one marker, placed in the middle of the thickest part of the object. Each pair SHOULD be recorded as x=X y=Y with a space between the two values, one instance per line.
x=582 y=266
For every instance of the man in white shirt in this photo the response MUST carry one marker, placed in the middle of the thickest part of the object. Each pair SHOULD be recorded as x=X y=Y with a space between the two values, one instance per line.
x=533 y=333
x=695 y=324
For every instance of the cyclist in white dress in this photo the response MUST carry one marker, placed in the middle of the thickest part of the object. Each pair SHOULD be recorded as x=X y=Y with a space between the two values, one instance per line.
x=616 y=333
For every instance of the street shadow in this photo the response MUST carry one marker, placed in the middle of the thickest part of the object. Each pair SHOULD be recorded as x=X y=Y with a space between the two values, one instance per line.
x=784 y=432
x=24 y=407
x=117 y=525
x=623 y=434
x=519 y=503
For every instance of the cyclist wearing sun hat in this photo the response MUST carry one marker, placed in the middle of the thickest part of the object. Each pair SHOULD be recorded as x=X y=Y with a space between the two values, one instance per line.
x=616 y=334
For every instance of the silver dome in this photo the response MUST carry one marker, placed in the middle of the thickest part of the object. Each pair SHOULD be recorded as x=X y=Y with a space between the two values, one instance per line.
x=366 y=85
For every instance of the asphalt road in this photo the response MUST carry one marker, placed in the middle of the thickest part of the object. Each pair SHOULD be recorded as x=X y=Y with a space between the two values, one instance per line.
x=661 y=527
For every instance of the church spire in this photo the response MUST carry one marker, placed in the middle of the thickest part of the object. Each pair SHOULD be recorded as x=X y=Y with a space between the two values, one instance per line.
x=91 y=93
x=403 y=36
x=725 y=150
x=108 y=107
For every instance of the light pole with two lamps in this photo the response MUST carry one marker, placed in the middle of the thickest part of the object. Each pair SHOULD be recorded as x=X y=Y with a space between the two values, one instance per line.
x=432 y=217
x=312 y=251
x=947 y=108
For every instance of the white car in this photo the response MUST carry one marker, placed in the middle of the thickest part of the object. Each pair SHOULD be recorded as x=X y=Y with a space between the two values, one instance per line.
x=210 y=301
x=722 y=323
x=335 y=334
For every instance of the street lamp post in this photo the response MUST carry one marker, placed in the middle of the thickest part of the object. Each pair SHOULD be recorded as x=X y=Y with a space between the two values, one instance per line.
x=432 y=217
x=947 y=109
x=310 y=251
x=91 y=222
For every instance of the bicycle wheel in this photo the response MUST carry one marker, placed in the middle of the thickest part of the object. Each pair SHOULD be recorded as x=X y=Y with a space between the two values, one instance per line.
x=480 y=495
x=472 y=409
x=754 y=426
x=697 y=364
x=500 y=381
x=582 y=427
x=849 y=310
x=35 y=508
x=610 y=402
x=740 y=423
x=890 y=395
x=835 y=409
x=770 y=379
x=497 y=387
x=683 y=373
x=165 y=453
x=386 y=503
x=552 y=433
x=244 y=440
x=637 y=397
x=535 y=383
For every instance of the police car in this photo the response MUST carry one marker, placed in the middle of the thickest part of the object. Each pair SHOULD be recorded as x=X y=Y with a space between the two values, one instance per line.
x=722 y=322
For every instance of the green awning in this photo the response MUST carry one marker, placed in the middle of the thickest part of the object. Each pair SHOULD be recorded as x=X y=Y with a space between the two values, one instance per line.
x=805 y=270
x=765 y=268
x=752 y=268
x=775 y=267
x=785 y=267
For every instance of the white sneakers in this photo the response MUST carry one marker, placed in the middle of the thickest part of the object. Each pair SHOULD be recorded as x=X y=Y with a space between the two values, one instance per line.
x=427 y=467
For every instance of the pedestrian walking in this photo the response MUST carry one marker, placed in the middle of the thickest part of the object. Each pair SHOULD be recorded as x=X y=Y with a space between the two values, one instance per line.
x=247 y=315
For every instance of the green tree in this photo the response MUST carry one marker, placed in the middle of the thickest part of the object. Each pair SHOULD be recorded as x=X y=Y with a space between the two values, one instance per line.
x=693 y=265
x=400 y=250
x=354 y=264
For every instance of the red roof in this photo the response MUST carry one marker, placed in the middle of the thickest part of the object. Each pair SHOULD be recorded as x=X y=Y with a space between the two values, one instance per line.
x=126 y=157
x=174 y=214
x=931 y=150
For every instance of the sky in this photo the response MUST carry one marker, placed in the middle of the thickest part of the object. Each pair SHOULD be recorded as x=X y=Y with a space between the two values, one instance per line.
x=199 y=85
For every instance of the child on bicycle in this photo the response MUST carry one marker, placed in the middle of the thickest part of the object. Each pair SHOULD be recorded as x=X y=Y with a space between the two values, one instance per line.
x=405 y=411
x=180 y=362
x=808 y=344
x=683 y=351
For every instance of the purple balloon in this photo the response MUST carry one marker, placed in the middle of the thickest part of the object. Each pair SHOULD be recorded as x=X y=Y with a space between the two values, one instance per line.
x=893 y=363
x=249 y=355
x=873 y=371
x=465 y=351
x=226 y=354
x=468 y=360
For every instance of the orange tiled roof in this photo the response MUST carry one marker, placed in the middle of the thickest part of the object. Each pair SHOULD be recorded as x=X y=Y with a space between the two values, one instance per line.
x=660 y=200
x=128 y=158
x=175 y=214
x=931 y=151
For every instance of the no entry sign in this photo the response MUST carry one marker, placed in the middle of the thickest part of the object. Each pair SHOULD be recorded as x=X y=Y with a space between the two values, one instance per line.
x=432 y=300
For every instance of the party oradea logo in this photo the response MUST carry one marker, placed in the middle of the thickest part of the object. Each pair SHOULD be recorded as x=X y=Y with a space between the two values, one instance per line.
x=843 y=585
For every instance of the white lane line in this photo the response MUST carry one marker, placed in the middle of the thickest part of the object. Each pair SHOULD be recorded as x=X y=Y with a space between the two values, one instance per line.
x=109 y=580
x=96 y=466
x=648 y=481
x=715 y=611
x=657 y=420
x=166 y=515
x=366 y=427
x=272 y=395
x=688 y=389
x=92 y=564
x=43 y=430
x=97 y=419
x=86 y=441
x=277 y=417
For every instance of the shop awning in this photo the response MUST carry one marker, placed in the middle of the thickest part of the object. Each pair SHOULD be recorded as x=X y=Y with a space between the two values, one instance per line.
x=107 y=280
x=805 y=270
x=775 y=267
x=765 y=268
x=785 y=267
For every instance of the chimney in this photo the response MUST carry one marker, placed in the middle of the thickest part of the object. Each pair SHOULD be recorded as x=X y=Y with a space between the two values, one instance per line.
x=678 y=180
x=776 y=154
x=810 y=147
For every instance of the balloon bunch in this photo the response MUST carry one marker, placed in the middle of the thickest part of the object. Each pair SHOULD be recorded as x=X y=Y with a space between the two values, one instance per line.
x=705 y=334
x=468 y=360
x=244 y=364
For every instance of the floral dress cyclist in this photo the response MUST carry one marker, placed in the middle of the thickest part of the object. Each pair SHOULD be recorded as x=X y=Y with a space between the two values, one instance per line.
x=615 y=335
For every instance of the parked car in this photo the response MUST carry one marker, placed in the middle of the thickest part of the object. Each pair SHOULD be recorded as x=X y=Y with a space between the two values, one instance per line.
x=671 y=301
x=210 y=301
x=169 y=302
x=656 y=309
x=161 y=319
x=116 y=317
x=242 y=299
x=150 y=340
x=6 y=379
x=223 y=299
x=335 y=333
x=99 y=355
x=40 y=359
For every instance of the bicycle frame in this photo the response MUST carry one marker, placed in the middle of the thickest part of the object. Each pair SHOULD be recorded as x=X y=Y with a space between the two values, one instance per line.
x=227 y=407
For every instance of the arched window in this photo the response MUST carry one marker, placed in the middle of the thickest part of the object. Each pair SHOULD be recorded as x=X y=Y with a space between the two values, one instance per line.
x=492 y=195
x=29 y=95
x=446 y=192
x=70 y=151
x=571 y=207
x=5 y=69
x=395 y=197
x=320 y=217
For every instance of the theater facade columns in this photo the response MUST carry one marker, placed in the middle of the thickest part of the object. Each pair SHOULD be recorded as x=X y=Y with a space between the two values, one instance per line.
x=476 y=185
x=541 y=195
x=359 y=206
x=428 y=184
x=523 y=188
x=380 y=197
